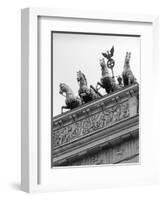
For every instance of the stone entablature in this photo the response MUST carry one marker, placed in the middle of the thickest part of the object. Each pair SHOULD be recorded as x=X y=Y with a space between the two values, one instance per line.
x=120 y=153
x=99 y=115
x=111 y=112
x=91 y=123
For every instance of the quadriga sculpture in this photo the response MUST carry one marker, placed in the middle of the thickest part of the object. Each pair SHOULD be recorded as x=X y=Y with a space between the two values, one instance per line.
x=86 y=93
x=107 y=82
x=127 y=75
x=71 y=101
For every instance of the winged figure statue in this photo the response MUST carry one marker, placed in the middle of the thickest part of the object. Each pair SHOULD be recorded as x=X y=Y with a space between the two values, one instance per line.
x=110 y=61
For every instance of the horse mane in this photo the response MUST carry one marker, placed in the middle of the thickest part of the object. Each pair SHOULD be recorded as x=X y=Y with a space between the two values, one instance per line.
x=84 y=77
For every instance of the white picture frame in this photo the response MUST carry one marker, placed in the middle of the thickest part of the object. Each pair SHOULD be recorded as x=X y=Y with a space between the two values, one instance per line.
x=36 y=174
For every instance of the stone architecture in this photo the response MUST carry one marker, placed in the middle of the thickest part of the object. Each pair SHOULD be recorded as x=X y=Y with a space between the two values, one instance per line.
x=103 y=131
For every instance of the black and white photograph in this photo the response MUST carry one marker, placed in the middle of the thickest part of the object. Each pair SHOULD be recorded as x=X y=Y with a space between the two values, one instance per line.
x=95 y=99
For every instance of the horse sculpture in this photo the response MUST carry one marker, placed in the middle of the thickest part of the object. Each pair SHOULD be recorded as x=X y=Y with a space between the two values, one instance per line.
x=71 y=101
x=127 y=75
x=107 y=82
x=86 y=93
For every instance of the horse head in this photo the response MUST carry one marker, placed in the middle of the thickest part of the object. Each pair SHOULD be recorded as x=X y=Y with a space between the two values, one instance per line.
x=81 y=78
x=71 y=100
x=102 y=64
x=63 y=88
x=127 y=58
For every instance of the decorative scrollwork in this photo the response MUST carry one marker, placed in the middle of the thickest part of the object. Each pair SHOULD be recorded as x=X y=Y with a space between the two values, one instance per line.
x=90 y=124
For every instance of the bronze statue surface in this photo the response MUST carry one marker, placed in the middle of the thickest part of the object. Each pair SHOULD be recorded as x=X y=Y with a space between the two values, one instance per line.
x=106 y=82
x=71 y=101
x=86 y=93
x=128 y=77
x=110 y=61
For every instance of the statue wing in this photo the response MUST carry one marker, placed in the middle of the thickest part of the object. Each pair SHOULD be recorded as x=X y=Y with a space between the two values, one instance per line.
x=105 y=55
x=112 y=51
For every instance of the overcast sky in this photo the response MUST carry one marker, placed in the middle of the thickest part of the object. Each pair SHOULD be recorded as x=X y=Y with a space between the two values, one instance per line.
x=74 y=52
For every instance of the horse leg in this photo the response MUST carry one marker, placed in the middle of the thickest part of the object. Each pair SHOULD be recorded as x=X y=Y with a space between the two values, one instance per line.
x=64 y=107
x=129 y=81
x=95 y=92
x=101 y=86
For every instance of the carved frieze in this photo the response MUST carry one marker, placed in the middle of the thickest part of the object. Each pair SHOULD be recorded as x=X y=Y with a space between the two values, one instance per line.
x=91 y=123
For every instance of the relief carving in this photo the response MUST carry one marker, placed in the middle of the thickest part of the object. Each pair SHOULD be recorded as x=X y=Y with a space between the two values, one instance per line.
x=90 y=124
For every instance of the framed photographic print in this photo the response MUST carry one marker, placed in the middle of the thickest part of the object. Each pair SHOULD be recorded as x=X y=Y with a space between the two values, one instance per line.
x=86 y=89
